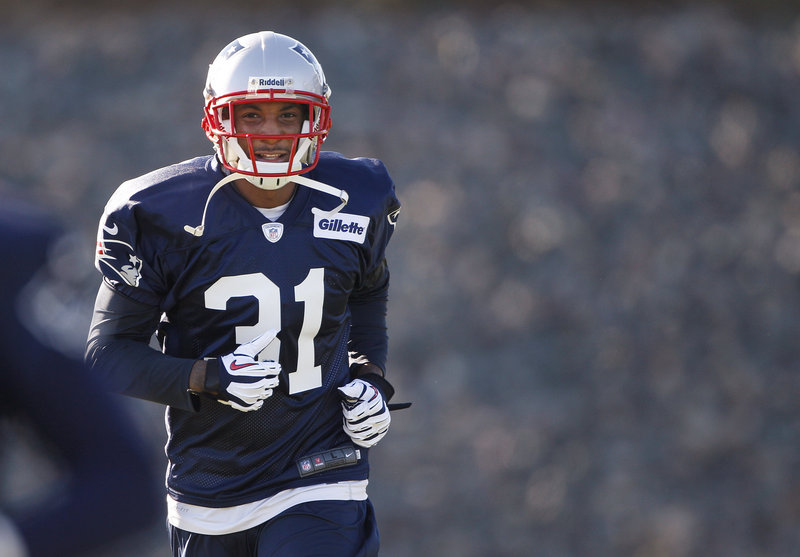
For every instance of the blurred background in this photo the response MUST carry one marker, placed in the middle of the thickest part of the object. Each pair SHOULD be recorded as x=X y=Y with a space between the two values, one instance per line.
x=595 y=274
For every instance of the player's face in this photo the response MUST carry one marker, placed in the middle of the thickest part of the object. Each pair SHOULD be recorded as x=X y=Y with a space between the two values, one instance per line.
x=269 y=118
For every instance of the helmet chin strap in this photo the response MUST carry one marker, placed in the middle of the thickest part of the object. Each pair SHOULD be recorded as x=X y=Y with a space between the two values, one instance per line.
x=198 y=230
x=324 y=188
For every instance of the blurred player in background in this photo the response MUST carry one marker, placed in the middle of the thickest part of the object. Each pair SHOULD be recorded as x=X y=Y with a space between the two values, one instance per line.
x=262 y=268
x=104 y=489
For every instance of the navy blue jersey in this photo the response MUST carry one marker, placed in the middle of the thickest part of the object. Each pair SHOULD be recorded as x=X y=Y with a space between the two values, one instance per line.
x=308 y=274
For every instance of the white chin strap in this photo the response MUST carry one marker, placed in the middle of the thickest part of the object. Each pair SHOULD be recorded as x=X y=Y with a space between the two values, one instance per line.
x=302 y=180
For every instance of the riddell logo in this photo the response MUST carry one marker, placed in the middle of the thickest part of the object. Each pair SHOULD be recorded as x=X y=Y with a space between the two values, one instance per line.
x=255 y=83
x=342 y=226
x=266 y=82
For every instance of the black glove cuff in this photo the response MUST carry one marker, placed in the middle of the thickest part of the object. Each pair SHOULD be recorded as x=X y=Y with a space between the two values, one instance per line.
x=211 y=384
x=380 y=383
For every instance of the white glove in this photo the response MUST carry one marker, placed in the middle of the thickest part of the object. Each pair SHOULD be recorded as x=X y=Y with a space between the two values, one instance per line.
x=242 y=381
x=366 y=416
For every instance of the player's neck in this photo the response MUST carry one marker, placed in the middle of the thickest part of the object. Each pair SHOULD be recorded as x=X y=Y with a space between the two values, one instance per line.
x=266 y=199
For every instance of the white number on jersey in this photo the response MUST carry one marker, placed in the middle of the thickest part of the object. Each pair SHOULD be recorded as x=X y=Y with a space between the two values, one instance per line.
x=310 y=292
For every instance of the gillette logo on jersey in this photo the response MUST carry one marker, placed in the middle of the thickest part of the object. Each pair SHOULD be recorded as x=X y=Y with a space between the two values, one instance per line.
x=341 y=226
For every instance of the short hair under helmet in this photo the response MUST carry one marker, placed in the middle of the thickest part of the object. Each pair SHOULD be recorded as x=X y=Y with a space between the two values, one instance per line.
x=266 y=67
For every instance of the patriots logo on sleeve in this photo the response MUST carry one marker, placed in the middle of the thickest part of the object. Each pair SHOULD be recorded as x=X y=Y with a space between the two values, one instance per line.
x=117 y=256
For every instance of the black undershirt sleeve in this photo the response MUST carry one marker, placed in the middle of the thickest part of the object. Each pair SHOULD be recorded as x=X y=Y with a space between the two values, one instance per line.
x=118 y=352
x=369 y=338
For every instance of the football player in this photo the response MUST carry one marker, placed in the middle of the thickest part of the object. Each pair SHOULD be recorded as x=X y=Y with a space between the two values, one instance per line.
x=53 y=404
x=262 y=270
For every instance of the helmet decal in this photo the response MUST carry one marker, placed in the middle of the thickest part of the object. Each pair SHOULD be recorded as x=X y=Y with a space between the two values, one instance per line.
x=305 y=53
x=231 y=49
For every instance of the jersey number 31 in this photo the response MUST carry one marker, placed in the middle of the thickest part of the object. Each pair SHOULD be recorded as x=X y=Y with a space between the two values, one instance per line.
x=310 y=292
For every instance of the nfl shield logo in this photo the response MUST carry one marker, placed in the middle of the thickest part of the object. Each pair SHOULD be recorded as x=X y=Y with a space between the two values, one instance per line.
x=272 y=231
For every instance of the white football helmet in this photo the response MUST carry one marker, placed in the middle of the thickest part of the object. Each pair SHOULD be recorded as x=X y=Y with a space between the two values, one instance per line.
x=266 y=67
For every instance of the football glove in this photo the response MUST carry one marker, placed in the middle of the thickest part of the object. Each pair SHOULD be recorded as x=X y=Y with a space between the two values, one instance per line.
x=239 y=380
x=366 y=415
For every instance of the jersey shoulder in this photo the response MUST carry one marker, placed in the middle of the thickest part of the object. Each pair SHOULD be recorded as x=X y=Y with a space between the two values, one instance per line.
x=164 y=200
x=366 y=180
x=359 y=172
x=169 y=185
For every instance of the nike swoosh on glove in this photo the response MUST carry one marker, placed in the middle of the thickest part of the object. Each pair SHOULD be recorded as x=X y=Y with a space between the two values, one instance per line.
x=239 y=379
x=366 y=416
